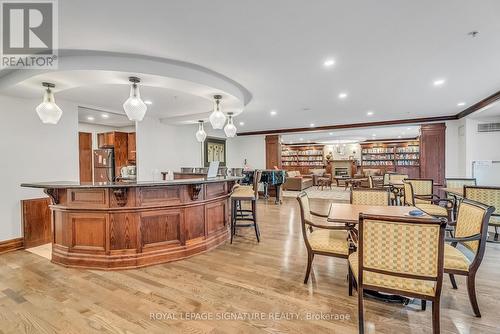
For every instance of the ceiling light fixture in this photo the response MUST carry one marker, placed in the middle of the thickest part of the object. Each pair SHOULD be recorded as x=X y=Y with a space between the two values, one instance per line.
x=230 y=129
x=439 y=82
x=330 y=133
x=460 y=104
x=273 y=112
x=217 y=118
x=105 y=116
x=201 y=135
x=48 y=111
x=242 y=123
x=369 y=113
x=148 y=102
x=301 y=139
x=329 y=62
x=311 y=125
x=134 y=107
x=90 y=118
x=342 y=96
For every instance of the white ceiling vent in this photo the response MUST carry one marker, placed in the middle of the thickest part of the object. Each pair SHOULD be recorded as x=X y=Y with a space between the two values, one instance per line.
x=488 y=127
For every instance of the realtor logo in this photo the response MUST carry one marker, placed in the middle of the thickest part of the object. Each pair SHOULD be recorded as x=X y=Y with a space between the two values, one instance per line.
x=29 y=34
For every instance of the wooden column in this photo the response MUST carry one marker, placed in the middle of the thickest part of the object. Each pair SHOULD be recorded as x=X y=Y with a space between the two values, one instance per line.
x=273 y=151
x=85 y=154
x=432 y=152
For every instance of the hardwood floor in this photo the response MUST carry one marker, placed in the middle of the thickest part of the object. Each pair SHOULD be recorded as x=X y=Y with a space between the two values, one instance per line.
x=239 y=279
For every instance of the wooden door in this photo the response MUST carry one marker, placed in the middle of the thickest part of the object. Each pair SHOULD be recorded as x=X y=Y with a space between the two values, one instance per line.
x=85 y=152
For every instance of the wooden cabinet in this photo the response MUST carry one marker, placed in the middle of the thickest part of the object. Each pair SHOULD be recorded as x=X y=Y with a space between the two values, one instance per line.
x=124 y=147
x=131 y=147
x=106 y=140
x=273 y=151
x=432 y=156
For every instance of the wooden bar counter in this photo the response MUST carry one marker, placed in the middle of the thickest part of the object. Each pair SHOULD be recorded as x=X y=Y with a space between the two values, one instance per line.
x=131 y=225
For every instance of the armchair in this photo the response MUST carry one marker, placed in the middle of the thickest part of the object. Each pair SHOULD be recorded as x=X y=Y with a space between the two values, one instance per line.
x=327 y=240
x=418 y=193
x=489 y=196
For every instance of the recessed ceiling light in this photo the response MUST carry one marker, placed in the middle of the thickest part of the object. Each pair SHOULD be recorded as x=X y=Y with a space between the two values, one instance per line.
x=369 y=113
x=374 y=135
x=460 y=104
x=408 y=128
x=330 y=133
x=273 y=112
x=148 y=102
x=329 y=62
x=90 y=118
x=439 y=82
x=342 y=96
x=301 y=139
x=311 y=125
x=242 y=123
x=104 y=115
x=399 y=136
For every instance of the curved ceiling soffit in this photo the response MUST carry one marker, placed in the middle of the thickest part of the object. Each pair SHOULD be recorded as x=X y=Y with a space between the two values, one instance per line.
x=70 y=60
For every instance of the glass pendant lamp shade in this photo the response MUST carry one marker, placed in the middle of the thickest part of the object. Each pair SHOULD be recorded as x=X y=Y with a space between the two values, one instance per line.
x=134 y=107
x=230 y=129
x=201 y=135
x=48 y=110
x=217 y=118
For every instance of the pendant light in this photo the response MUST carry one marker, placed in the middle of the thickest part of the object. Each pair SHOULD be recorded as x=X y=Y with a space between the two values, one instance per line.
x=48 y=111
x=134 y=107
x=217 y=118
x=230 y=129
x=201 y=134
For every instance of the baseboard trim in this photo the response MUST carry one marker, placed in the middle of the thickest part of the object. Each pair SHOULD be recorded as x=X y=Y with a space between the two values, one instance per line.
x=11 y=245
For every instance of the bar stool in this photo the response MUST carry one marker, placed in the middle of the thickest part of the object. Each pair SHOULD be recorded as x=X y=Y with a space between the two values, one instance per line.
x=245 y=194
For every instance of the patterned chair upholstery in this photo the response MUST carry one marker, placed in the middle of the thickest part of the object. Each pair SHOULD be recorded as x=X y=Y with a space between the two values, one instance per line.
x=321 y=238
x=370 y=196
x=418 y=193
x=471 y=230
x=489 y=196
x=399 y=255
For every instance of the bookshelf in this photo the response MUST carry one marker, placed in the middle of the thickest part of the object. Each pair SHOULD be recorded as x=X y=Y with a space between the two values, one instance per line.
x=302 y=157
x=393 y=156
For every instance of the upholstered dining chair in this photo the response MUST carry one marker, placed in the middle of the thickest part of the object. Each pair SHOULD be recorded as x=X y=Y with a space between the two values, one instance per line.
x=488 y=196
x=399 y=255
x=363 y=196
x=419 y=193
x=457 y=183
x=321 y=239
x=471 y=230
x=397 y=191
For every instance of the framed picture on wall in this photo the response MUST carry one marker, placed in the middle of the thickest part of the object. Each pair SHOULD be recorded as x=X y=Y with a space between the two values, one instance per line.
x=215 y=150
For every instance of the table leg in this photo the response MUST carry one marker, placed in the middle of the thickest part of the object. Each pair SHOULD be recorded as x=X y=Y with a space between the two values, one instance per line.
x=278 y=194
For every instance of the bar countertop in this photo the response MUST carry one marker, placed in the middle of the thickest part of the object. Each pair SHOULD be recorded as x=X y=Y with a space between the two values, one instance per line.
x=83 y=185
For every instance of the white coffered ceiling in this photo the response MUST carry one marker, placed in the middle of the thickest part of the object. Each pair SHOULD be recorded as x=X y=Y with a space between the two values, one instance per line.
x=387 y=53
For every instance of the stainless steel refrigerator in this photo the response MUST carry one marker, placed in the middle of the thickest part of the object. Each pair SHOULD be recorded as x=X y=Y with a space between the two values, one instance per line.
x=104 y=165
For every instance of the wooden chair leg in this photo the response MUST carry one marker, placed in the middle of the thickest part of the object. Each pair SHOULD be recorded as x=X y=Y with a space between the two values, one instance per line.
x=254 y=215
x=471 y=289
x=233 y=219
x=435 y=317
x=361 y=311
x=310 y=258
x=423 y=304
x=453 y=282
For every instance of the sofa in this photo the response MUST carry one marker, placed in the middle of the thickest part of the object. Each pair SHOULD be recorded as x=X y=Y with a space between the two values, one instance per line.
x=297 y=182
x=317 y=173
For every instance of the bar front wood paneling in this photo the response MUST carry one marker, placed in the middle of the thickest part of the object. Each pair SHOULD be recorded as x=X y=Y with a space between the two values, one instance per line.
x=130 y=227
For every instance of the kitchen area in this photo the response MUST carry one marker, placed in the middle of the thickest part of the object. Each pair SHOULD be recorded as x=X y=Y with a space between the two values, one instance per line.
x=107 y=147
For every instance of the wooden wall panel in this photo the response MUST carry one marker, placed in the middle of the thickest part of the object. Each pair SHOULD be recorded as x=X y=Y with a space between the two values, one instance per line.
x=273 y=151
x=89 y=231
x=97 y=197
x=161 y=227
x=160 y=195
x=85 y=154
x=215 y=215
x=123 y=231
x=194 y=220
x=36 y=219
x=432 y=152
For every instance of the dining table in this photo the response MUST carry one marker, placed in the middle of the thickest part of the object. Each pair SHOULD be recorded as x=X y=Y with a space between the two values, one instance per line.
x=349 y=214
